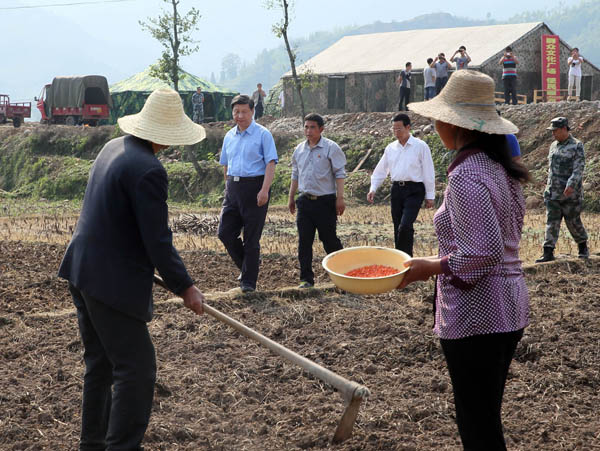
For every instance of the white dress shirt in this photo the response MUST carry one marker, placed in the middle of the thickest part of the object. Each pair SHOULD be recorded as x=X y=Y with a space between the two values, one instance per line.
x=409 y=163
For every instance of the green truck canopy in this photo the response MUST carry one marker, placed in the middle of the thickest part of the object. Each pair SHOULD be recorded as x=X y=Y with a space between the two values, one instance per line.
x=74 y=91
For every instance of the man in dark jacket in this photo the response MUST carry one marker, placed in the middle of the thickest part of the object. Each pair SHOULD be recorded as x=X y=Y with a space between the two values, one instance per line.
x=121 y=237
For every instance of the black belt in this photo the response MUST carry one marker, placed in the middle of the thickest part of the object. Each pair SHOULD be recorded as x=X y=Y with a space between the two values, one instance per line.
x=403 y=183
x=233 y=178
x=311 y=197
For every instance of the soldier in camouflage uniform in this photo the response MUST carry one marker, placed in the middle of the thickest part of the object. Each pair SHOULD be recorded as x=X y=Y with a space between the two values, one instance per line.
x=564 y=191
x=198 y=104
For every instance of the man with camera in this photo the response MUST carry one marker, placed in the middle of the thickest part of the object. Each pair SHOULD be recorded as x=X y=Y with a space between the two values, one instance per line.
x=441 y=72
x=509 y=75
x=575 y=62
x=462 y=60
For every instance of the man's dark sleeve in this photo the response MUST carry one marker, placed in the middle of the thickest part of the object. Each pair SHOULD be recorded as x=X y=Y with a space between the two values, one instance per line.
x=150 y=206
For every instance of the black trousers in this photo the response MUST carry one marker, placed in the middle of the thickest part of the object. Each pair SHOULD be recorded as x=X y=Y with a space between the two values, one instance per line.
x=120 y=372
x=259 y=109
x=510 y=90
x=478 y=368
x=240 y=211
x=404 y=98
x=315 y=215
x=440 y=82
x=406 y=203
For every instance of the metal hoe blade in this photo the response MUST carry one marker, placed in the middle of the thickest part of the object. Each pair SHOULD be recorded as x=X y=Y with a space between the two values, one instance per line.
x=344 y=429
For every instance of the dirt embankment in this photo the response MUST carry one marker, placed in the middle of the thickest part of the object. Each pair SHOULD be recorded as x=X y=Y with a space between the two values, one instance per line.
x=356 y=131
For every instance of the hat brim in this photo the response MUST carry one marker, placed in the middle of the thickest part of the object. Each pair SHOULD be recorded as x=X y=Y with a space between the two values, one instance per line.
x=483 y=118
x=183 y=132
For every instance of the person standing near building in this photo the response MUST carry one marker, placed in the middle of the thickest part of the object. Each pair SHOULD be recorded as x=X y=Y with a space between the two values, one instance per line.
x=198 y=105
x=281 y=101
x=122 y=236
x=318 y=172
x=575 y=61
x=248 y=157
x=564 y=190
x=404 y=82
x=509 y=75
x=441 y=72
x=408 y=162
x=462 y=60
x=259 y=97
x=429 y=79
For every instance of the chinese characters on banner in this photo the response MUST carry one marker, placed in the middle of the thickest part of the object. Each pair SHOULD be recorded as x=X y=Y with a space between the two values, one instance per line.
x=551 y=67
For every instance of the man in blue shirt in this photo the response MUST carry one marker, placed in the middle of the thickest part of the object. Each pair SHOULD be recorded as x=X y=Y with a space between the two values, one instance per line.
x=248 y=157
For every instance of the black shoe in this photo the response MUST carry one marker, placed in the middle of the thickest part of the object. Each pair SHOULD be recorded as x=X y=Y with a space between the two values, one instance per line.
x=584 y=252
x=247 y=288
x=548 y=255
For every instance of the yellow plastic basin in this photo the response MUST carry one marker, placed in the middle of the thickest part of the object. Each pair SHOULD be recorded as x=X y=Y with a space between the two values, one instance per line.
x=337 y=264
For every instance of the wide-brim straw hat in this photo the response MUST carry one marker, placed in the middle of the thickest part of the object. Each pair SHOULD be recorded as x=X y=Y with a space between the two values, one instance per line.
x=467 y=101
x=163 y=121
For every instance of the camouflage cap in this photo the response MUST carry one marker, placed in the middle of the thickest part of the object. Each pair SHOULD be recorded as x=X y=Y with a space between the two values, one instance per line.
x=558 y=122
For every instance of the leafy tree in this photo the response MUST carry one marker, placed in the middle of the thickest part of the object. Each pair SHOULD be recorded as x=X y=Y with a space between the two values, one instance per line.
x=173 y=31
x=280 y=29
x=230 y=65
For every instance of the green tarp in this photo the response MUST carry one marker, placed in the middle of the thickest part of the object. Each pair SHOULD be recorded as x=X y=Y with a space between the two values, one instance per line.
x=130 y=95
x=74 y=91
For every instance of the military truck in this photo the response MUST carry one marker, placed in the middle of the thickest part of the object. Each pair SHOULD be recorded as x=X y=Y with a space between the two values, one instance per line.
x=75 y=100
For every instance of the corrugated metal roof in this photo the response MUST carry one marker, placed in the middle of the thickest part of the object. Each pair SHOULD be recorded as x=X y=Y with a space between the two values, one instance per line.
x=380 y=52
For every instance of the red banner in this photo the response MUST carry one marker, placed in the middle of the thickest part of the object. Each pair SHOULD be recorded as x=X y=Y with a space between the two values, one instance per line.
x=551 y=67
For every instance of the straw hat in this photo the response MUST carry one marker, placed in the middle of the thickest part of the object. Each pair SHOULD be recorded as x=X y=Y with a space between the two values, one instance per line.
x=163 y=121
x=467 y=101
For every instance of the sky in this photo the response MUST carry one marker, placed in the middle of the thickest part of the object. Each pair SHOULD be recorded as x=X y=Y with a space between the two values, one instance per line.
x=106 y=38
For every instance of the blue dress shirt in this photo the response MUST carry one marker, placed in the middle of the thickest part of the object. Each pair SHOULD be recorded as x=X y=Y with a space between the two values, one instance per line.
x=247 y=154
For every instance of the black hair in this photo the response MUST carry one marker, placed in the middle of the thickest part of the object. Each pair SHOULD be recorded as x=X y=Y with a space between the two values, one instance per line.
x=315 y=118
x=408 y=64
x=576 y=48
x=496 y=147
x=242 y=99
x=402 y=117
x=462 y=47
x=429 y=60
x=199 y=87
x=509 y=49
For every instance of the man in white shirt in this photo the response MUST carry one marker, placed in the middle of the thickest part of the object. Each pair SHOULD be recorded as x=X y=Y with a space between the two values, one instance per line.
x=429 y=77
x=408 y=162
x=575 y=61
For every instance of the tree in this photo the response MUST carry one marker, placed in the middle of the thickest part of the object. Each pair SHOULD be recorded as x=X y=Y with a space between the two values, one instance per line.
x=230 y=65
x=173 y=31
x=280 y=29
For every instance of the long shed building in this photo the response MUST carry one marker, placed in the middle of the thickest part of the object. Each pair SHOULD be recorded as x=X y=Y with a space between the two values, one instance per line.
x=358 y=73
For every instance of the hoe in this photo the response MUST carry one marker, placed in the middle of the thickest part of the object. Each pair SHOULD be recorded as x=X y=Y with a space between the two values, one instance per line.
x=352 y=392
